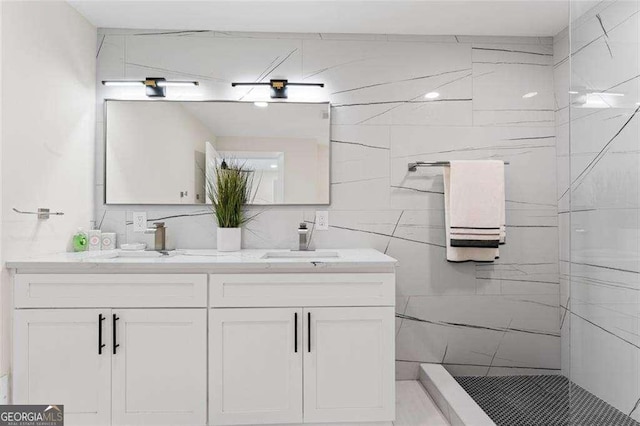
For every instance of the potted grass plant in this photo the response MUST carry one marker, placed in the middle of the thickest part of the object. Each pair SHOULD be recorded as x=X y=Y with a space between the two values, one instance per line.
x=229 y=188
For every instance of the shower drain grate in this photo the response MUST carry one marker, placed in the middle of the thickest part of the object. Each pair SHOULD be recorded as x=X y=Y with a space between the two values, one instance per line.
x=540 y=400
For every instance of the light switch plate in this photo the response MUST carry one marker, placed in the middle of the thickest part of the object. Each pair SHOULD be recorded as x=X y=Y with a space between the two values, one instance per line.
x=322 y=220
x=139 y=221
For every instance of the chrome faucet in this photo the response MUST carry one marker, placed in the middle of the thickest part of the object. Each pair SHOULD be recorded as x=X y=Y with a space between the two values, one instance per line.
x=303 y=237
x=160 y=232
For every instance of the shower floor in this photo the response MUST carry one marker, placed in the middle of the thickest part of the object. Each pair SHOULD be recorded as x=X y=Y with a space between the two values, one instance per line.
x=540 y=400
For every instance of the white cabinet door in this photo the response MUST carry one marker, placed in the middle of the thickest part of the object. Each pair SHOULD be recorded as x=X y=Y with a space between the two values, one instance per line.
x=255 y=366
x=349 y=364
x=160 y=367
x=57 y=361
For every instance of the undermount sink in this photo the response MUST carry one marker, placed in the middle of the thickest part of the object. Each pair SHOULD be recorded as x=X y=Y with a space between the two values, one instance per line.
x=142 y=254
x=300 y=254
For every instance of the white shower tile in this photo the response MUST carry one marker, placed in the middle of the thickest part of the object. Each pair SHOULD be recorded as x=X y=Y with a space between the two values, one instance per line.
x=604 y=364
x=359 y=153
x=502 y=84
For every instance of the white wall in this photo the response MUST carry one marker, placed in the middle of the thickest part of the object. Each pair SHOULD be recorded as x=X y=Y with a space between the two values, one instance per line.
x=48 y=92
x=142 y=136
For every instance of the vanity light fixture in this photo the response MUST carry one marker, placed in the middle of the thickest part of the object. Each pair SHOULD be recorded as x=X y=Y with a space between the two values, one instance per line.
x=122 y=83
x=155 y=86
x=432 y=95
x=278 y=87
x=261 y=104
x=529 y=95
x=607 y=94
x=165 y=83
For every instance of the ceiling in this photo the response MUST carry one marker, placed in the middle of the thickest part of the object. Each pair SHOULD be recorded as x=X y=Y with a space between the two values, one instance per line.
x=453 y=17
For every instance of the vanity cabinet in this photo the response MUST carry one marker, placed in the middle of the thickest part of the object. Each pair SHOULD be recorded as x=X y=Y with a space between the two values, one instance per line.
x=56 y=361
x=349 y=364
x=255 y=365
x=111 y=365
x=207 y=340
x=159 y=370
x=310 y=363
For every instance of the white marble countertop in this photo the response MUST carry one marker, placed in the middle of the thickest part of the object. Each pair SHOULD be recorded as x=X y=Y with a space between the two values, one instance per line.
x=206 y=261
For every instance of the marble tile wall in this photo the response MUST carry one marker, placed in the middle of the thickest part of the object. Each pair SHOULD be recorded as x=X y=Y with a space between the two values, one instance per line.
x=599 y=208
x=561 y=78
x=500 y=318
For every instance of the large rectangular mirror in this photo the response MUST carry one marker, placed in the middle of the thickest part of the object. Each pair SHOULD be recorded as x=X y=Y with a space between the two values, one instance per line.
x=163 y=152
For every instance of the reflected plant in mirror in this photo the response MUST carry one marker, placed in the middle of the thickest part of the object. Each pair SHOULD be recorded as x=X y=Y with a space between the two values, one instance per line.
x=229 y=188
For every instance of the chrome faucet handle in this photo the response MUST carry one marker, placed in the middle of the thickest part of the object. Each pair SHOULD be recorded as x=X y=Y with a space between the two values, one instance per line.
x=156 y=226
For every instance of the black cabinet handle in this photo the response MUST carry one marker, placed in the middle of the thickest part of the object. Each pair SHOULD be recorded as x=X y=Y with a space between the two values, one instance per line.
x=295 y=332
x=100 y=344
x=115 y=333
x=309 y=331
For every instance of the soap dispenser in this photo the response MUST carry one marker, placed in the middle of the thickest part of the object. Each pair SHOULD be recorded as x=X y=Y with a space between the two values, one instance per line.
x=95 y=240
x=80 y=241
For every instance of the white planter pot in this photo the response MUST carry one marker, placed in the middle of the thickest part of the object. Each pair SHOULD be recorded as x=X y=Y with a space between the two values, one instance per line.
x=229 y=239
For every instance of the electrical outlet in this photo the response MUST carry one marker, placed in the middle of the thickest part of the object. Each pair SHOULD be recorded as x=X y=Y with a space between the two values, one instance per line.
x=139 y=221
x=322 y=220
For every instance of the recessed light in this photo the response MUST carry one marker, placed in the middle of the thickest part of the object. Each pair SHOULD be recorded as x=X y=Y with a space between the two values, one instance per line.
x=274 y=166
x=432 y=95
x=529 y=95
x=261 y=104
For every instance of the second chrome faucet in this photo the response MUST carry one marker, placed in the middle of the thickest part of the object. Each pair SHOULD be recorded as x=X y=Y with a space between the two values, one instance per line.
x=160 y=232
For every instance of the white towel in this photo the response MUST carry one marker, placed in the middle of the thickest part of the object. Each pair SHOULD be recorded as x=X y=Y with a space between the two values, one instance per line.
x=462 y=254
x=477 y=203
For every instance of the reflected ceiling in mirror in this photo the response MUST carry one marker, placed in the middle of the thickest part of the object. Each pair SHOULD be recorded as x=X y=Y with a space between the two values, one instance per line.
x=164 y=152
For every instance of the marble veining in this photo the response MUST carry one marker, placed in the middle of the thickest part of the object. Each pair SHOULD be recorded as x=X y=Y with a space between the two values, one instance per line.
x=598 y=200
x=498 y=319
